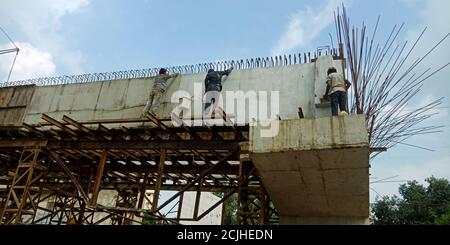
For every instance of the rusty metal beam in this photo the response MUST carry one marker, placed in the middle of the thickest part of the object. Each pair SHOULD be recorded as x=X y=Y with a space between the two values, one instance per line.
x=201 y=176
x=180 y=207
x=197 y=198
x=158 y=183
x=228 y=195
x=164 y=144
x=143 y=189
x=21 y=143
x=69 y=173
x=98 y=177
x=63 y=188
x=59 y=125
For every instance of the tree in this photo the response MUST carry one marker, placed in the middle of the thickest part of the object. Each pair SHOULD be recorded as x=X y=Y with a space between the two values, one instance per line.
x=418 y=205
x=231 y=209
x=151 y=219
x=386 y=211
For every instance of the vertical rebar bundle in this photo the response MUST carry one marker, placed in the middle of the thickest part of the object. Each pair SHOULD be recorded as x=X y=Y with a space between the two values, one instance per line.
x=385 y=79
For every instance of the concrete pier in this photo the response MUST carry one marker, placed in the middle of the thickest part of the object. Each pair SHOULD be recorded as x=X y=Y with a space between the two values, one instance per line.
x=316 y=170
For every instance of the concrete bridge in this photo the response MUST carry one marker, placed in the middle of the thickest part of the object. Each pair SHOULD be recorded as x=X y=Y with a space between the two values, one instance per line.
x=315 y=168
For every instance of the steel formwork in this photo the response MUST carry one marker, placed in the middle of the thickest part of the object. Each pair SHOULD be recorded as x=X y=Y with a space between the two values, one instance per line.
x=52 y=172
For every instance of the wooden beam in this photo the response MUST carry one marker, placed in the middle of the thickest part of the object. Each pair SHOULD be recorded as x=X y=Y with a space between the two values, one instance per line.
x=379 y=149
x=156 y=121
x=301 y=115
x=80 y=127
x=59 y=125
x=33 y=129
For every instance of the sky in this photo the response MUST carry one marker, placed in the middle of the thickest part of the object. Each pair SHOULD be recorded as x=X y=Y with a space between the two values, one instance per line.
x=65 y=37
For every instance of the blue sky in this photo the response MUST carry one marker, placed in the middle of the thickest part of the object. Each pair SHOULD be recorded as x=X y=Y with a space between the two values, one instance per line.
x=82 y=36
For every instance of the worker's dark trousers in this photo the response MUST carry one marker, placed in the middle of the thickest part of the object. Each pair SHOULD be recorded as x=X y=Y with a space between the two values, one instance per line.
x=338 y=101
x=211 y=103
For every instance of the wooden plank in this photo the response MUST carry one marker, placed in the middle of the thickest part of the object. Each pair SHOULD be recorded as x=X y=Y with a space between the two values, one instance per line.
x=301 y=115
x=156 y=121
x=59 y=125
x=33 y=130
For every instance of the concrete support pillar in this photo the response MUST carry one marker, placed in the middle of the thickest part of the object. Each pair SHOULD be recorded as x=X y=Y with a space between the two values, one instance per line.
x=316 y=171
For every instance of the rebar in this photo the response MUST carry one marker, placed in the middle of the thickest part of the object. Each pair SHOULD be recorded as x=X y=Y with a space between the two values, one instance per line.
x=242 y=64
x=383 y=85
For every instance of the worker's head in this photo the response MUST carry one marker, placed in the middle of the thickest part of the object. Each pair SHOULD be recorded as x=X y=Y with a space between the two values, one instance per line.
x=162 y=71
x=210 y=70
x=331 y=70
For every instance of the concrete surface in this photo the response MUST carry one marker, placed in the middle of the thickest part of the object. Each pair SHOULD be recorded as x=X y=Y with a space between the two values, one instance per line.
x=13 y=104
x=316 y=170
x=298 y=86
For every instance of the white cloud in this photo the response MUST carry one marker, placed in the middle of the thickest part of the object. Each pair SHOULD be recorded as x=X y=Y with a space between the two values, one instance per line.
x=304 y=26
x=31 y=62
x=40 y=23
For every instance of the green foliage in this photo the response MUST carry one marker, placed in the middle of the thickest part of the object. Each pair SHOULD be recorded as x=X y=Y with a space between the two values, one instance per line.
x=231 y=209
x=151 y=220
x=418 y=205
x=385 y=211
x=444 y=219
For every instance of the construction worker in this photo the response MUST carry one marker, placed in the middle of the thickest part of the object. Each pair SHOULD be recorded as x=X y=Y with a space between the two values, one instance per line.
x=158 y=89
x=337 y=92
x=213 y=87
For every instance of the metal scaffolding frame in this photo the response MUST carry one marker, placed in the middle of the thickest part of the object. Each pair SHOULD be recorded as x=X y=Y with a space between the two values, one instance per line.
x=52 y=172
